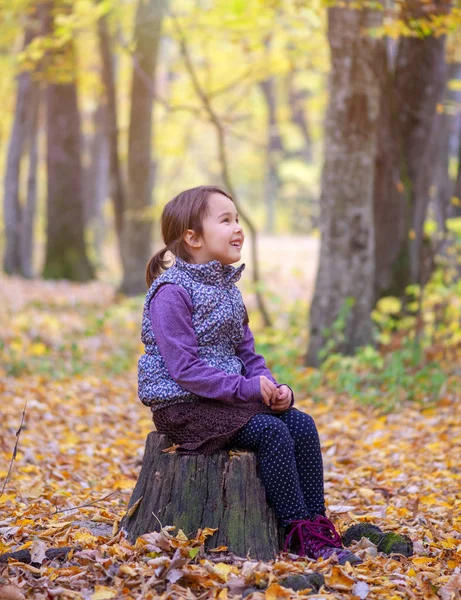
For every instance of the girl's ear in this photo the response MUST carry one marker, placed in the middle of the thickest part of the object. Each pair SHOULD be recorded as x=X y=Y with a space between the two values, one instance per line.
x=192 y=239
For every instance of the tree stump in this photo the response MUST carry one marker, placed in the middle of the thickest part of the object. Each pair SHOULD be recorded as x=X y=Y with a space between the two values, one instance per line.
x=220 y=491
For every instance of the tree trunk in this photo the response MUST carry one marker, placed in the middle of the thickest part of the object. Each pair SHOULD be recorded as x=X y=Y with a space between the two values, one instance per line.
x=454 y=209
x=97 y=179
x=405 y=166
x=137 y=227
x=191 y=492
x=28 y=214
x=66 y=256
x=23 y=126
x=345 y=275
x=297 y=102
x=116 y=176
x=391 y=214
x=274 y=152
x=420 y=81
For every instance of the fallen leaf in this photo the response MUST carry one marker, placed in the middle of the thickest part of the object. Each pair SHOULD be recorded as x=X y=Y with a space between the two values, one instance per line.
x=339 y=579
x=275 y=591
x=102 y=592
x=452 y=588
x=11 y=592
x=361 y=589
x=37 y=552
x=130 y=512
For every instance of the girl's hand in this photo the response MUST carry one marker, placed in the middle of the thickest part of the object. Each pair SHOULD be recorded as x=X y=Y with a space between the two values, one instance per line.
x=283 y=400
x=269 y=391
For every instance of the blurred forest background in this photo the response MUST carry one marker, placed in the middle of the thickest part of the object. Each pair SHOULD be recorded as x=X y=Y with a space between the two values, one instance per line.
x=336 y=126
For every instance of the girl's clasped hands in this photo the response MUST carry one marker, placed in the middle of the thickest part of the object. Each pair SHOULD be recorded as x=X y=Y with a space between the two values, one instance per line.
x=278 y=398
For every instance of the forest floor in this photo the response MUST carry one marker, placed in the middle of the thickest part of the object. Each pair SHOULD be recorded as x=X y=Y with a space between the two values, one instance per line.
x=68 y=359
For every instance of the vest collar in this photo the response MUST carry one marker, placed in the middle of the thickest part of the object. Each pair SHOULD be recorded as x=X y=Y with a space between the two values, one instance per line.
x=212 y=273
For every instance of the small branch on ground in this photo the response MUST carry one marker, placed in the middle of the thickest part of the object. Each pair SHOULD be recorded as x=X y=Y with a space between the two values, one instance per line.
x=83 y=505
x=15 y=450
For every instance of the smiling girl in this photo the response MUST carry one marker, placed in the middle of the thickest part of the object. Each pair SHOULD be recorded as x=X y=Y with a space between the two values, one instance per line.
x=207 y=387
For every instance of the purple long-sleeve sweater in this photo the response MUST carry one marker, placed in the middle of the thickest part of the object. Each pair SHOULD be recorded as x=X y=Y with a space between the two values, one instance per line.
x=171 y=317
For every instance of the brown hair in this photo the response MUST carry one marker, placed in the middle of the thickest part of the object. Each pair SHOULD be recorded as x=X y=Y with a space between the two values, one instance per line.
x=186 y=211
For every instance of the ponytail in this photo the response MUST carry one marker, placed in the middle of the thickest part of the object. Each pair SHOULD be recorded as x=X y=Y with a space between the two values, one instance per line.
x=155 y=266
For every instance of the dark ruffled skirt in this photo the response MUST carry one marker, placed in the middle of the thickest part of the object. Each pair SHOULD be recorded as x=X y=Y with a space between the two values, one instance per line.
x=206 y=426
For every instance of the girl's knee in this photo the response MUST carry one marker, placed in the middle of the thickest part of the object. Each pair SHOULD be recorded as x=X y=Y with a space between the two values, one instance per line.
x=300 y=423
x=277 y=429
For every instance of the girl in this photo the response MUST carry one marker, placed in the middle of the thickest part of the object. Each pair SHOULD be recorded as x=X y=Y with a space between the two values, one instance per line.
x=205 y=384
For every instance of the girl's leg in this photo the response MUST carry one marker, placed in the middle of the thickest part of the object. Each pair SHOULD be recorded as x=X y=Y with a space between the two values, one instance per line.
x=308 y=458
x=269 y=436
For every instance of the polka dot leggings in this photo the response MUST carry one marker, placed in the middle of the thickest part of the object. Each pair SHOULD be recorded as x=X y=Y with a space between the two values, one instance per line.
x=290 y=462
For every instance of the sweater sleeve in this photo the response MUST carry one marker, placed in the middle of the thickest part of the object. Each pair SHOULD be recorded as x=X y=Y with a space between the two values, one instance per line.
x=255 y=365
x=171 y=318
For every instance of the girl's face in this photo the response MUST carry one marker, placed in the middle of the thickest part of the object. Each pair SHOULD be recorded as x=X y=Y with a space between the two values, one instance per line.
x=222 y=237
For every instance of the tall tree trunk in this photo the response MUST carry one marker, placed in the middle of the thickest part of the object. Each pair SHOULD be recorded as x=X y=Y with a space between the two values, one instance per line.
x=391 y=211
x=297 y=103
x=28 y=214
x=414 y=88
x=274 y=152
x=137 y=227
x=420 y=81
x=117 y=187
x=66 y=256
x=27 y=93
x=346 y=269
x=447 y=127
x=97 y=179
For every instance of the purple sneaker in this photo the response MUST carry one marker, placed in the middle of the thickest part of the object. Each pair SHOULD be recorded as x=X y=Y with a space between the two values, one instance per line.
x=318 y=538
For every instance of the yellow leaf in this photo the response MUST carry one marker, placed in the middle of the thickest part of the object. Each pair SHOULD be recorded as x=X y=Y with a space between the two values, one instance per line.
x=124 y=484
x=181 y=536
x=219 y=549
x=275 y=591
x=38 y=349
x=366 y=493
x=133 y=508
x=422 y=560
x=127 y=570
x=339 y=579
x=223 y=570
x=389 y=305
x=412 y=234
x=102 y=592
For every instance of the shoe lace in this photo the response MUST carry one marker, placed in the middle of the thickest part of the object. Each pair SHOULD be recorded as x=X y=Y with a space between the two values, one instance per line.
x=314 y=534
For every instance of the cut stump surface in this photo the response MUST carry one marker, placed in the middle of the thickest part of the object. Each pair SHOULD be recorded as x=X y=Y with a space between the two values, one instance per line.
x=222 y=491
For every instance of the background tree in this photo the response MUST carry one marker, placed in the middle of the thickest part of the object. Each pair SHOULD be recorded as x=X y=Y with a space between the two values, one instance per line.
x=66 y=255
x=137 y=226
x=344 y=285
x=19 y=214
x=412 y=87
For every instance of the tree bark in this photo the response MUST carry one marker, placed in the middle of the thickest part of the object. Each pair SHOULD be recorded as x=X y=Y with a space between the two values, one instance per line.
x=274 y=152
x=346 y=268
x=28 y=214
x=411 y=90
x=420 y=80
x=66 y=256
x=297 y=101
x=24 y=128
x=137 y=227
x=191 y=492
x=97 y=179
x=117 y=185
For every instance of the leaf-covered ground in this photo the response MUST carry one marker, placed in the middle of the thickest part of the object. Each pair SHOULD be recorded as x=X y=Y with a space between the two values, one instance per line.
x=68 y=356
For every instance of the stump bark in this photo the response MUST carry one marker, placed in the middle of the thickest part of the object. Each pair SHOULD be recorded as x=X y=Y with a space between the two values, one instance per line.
x=220 y=491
